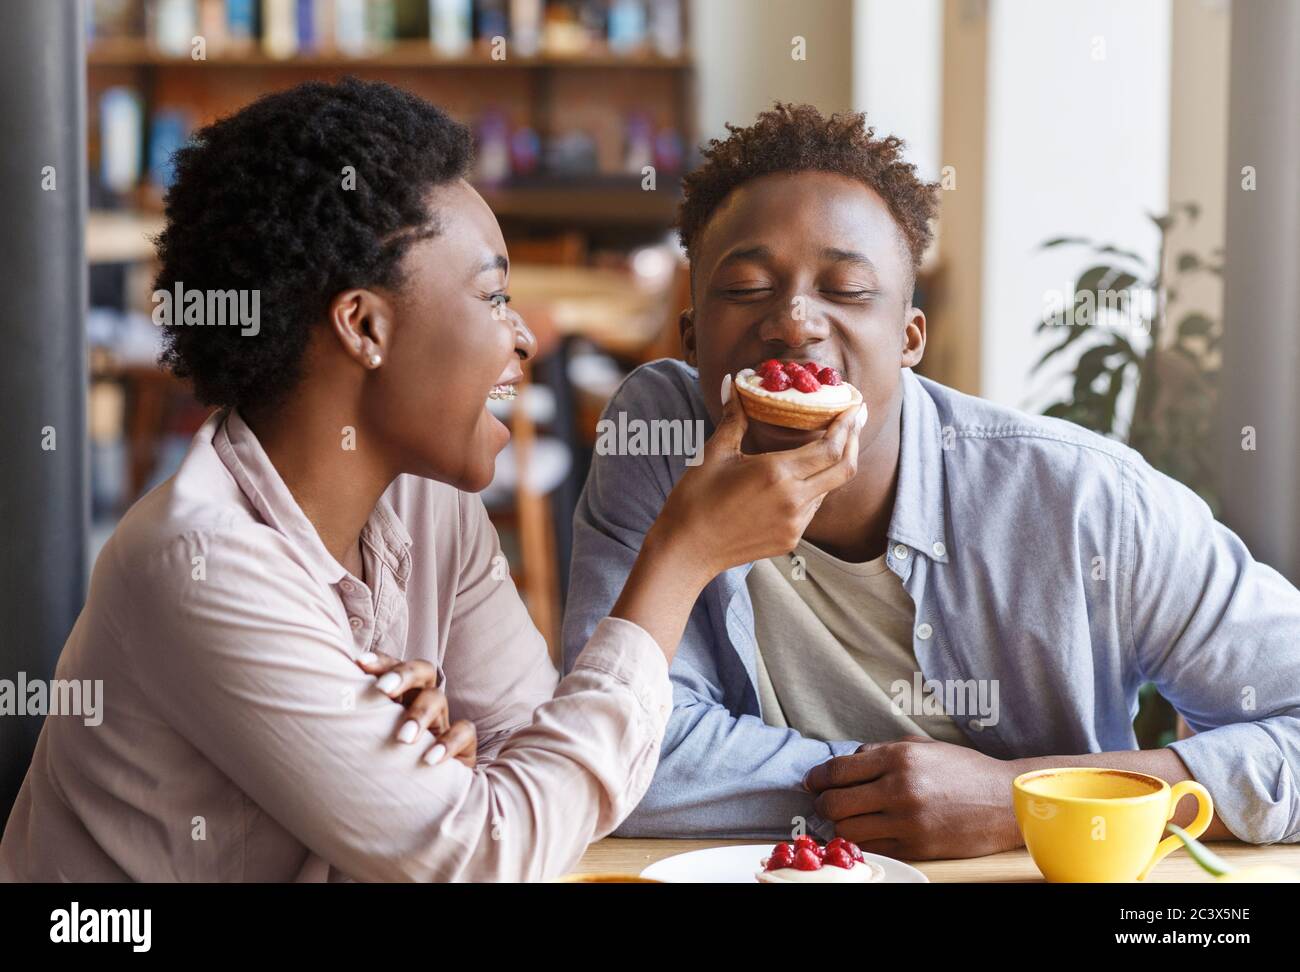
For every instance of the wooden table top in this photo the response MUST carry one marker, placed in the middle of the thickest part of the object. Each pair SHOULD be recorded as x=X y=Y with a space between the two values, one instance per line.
x=632 y=855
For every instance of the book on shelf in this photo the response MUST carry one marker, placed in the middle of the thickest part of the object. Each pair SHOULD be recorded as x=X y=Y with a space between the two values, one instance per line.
x=213 y=25
x=526 y=26
x=280 y=28
x=121 y=134
x=284 y=29
x=173 y=25
x=241 y=23
x=113 y=19
x=451 y=26
x=168 y=130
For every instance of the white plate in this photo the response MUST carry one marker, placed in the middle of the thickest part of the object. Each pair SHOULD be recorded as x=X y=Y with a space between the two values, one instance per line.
x=739 y=863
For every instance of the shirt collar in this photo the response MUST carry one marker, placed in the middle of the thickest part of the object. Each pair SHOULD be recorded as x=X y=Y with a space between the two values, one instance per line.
x=918 y=519
x=248 y=463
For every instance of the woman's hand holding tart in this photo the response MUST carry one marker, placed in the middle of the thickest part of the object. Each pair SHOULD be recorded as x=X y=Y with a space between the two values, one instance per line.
x=795 y=395
x=731 y=509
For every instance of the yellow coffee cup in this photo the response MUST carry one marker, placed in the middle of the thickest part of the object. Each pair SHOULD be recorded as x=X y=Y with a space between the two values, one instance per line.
x=1096 y=824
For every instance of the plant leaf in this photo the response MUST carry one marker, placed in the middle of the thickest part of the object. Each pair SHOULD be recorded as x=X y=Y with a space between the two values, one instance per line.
x=1203 y=856
x=1092 y=364
x=1113 y=250
x=1070 y=338
x=1122 y=345
x=1062 y=241
x=1195 y=325
x=1163 y=222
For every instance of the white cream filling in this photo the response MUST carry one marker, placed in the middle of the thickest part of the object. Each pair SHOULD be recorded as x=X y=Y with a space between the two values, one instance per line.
x=825 y=395
x=862 y=872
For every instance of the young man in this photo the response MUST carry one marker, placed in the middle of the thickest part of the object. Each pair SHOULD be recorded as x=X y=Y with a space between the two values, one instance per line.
x=1027 y=573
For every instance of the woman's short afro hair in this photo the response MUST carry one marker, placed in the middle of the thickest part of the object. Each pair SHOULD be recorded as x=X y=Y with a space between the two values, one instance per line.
x=799 y=138
x=300 y=195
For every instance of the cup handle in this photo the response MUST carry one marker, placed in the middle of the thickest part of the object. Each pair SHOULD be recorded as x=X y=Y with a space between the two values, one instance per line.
x=1204 y=813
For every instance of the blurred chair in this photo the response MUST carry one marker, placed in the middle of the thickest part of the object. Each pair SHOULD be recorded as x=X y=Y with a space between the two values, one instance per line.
x=528 y=471
x=668 y=342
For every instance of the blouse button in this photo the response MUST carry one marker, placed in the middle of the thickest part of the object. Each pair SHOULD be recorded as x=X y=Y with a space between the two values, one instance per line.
x=923 y=631
x=347 y=587
x=355 y=622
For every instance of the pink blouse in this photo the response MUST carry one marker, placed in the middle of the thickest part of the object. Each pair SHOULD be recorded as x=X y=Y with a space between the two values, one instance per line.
x=240 y=741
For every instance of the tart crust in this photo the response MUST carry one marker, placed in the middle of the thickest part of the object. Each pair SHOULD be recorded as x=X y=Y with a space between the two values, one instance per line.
x=792 y=415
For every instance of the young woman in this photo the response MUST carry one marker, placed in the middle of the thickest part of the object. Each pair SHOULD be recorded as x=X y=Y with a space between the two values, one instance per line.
x=313 y=667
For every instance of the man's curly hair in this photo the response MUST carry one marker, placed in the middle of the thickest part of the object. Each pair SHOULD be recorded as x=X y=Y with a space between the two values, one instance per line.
x=799 y=138
x=259 y=203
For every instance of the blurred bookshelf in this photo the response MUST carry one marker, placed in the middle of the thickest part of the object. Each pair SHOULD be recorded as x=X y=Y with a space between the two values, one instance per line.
x=135 y=52
x=569 y=102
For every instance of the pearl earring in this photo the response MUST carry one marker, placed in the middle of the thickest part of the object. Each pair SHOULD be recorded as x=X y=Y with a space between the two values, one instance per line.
x=374 y=360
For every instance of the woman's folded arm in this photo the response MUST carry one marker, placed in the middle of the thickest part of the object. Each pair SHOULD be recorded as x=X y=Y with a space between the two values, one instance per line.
x=253 y=666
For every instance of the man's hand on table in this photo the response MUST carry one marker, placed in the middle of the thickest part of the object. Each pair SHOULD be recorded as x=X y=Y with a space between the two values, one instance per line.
x=918 y=799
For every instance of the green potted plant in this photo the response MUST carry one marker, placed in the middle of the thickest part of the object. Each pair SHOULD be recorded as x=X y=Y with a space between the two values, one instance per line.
x=1117 y=323
x=1171 y=374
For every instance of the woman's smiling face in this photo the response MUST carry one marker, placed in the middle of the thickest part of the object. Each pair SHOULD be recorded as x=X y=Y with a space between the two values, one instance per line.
x=453 y=339
x=809 y=266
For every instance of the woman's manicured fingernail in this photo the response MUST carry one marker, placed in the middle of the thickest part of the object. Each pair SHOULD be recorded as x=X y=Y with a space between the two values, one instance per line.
x=388 y=682
x=369 y=658
x=435 y=754
x=726 y=388
x=410 y=729
x=861 y=420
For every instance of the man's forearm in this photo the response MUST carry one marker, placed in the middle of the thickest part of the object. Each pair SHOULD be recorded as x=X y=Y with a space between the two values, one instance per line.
x=1164 y=763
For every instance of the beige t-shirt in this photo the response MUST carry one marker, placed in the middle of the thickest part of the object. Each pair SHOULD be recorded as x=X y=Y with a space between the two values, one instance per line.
x=833 y=637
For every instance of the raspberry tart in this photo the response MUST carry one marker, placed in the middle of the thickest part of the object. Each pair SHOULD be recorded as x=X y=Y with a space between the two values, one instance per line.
x=806 y=862
x=793 y=394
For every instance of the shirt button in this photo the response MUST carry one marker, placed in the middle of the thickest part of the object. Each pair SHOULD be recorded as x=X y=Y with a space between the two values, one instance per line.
x=356 y=623
x=900 y=551
x=347 y=587
x=923 y=631
x=940 y=550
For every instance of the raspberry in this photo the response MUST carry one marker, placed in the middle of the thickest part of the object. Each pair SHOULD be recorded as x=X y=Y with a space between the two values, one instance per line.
x=839 y=842
x=839 y=857
x=768 y=367
x=805 y=382
x=776 y=381
x=806 y=860
x=792 y=368
x=856 y=853
x=807 y=843
x=782 y=856
x=829 y=376
x=812 y=367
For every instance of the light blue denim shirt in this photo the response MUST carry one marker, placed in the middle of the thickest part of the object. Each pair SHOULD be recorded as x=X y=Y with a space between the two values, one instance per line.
x=1040 y=555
